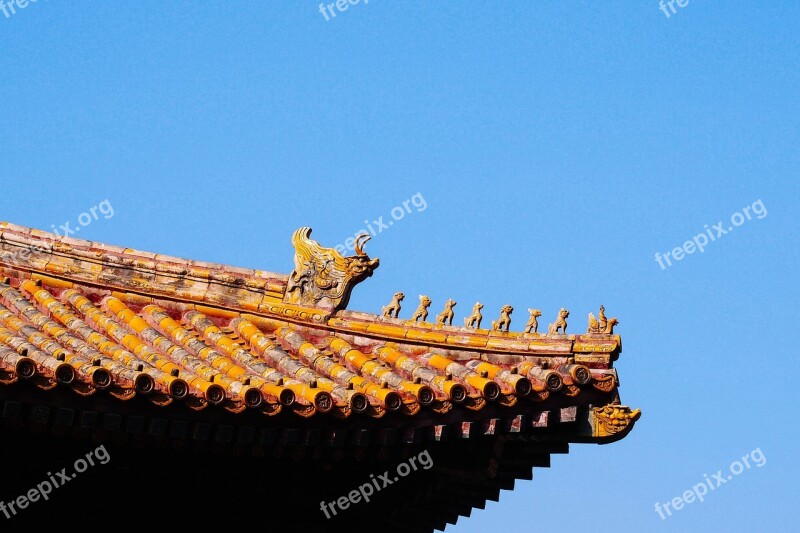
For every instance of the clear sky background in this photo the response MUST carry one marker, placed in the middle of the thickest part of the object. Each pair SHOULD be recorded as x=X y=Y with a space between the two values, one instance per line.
x=557 y=146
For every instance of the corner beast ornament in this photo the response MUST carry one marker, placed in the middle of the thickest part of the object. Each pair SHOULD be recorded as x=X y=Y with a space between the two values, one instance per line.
x=323 y=277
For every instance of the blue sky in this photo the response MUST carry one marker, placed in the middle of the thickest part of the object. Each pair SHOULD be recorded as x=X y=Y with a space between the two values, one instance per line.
x=557 y=146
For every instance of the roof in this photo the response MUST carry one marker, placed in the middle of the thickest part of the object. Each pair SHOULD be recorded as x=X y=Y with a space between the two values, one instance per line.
x=129 y=327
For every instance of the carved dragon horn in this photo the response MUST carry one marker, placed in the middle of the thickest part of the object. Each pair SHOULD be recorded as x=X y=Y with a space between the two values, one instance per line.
x=361 y=240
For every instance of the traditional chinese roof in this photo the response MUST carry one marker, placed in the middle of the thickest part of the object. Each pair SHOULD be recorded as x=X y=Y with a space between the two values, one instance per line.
x=265 y=361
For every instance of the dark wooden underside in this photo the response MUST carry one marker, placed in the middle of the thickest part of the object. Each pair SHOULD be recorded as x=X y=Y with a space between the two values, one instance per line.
x=220 y=468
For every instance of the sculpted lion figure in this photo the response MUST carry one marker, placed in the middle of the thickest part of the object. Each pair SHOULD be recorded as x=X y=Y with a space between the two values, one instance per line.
x=446 y=316
x=561 y=323
x=474 y=320
x=393 y=309
x=504 y=320
x=532 y=324
x=422 y=311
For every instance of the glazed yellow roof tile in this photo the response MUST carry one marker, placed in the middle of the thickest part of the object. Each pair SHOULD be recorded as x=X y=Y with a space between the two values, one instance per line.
x=105 y=319
x=148 y=350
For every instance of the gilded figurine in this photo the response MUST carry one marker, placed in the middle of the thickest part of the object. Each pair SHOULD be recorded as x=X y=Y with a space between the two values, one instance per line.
x=446 y=316
x=393 y=309
x=504 y=320
x=532 y=324
x=561 y=323
x=601 y=324
x=422 y=310
x=474 y=320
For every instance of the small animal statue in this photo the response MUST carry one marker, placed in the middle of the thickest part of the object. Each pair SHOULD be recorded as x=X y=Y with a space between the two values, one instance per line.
x=601 y=324
x=393 y=309
x=446 y=316
x=504 y=320
x=474 y=320
x=422 y=310
x=560 y=323
x=532 y=324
